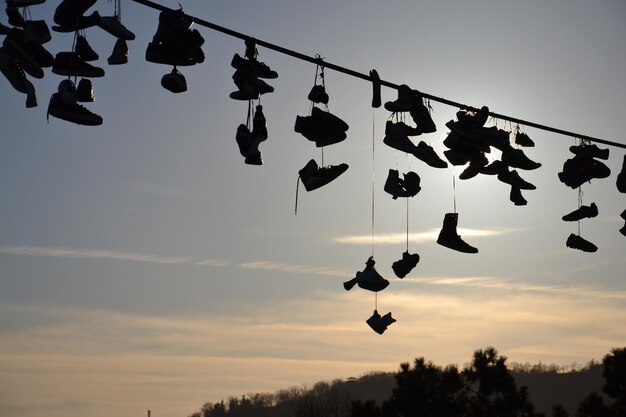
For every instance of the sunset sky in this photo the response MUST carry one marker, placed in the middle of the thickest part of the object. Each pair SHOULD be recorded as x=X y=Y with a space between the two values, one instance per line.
x=144 y=266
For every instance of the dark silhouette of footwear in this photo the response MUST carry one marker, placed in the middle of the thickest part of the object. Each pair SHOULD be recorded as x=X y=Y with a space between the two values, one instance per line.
x=427 y=154
x=405 y=265
x=522 y=139
x=449 y=238
x=380 y=323
x=15 y=46
x=84 y=91
x=513 y=178
x=259 y=125
x=323 y=128
x=40 y=54
x=590 y=150
x=405 y=101
x=314 y=177
x=411 y=183
x=174 y=82
x=368 y=279
x=582 y=212
x=393 y=185
x=250 y=87
x=475 y=167
x=69 y=12
x=164 y=54
x=577 y=242
x=456 y=158
x=4 y=30
x=494 y=168
x=472 y=120
x=318 y=95
x=516 y=196
x=114 y=26
x=396 y=136
x=623 y=229
x=72 y=112
x=582 y=168
x=248 y=147
x=119 y=55
x=376 y=87
x=84 y=50
x=260 y=69
x=515 y=158
x=421 y=116
x=15 y=17
x=69 y=63
x=621 y=178
x=13 y=72
x=37 y=31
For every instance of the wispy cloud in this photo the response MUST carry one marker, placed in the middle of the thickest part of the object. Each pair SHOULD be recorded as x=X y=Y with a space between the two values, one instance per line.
x=212 y=262
x=56 y=252
x=421 y=237
x=296 y=268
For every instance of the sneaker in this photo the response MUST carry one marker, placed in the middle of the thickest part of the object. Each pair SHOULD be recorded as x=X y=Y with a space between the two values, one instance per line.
x=577 y=242
x=37 y=31
x=318 y=95
x=516 y=196
x=592 y=150
x=67 y=91
x=494 y=168
x=513 y=178
x=174 y=82
x=421 y=116
x=69 y=63
x=396 y=137
x=582 y=212
x=15 y=17
x=515 y=158
x=40 y=54
x=119 y=55
x=314 y=177
x=84 y=91
x=411 y=183
x=581 y=169
x=161 y=54
x=405 y=102
x=380 y=324
x=260 y=69
x=456 y=158
x=69 y=12
x=259 y=125
x=368 y=279
x=74 y=113
x=81 y=23
x=427 y=154
x=112 y=25
x=522 y=139
x=248 y=147
x=405 y=265
x=474 y=168
x=84 y=50
x=14 y=45
x=449 y=238
x=13 y=72
x=621 y=178
x=393 y=185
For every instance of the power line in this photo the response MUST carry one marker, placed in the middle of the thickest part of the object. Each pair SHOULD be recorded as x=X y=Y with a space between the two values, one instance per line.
x=367 y=77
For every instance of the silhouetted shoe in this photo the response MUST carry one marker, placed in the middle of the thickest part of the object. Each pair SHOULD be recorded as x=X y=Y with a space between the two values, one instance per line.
x=427 y=154
x=582 y=212
x=380 y=324
x=74 y=113
x=522 y=139
x=37 y=31
x=259 y=125
x=314 y=177
x=84 y=91
x=67 y=91
x=513 y=178
x=405 y=102
x=403 y=266
x=581 y=169
x=248 y=147
x=456 y=158
x=174 y=82
x=84 y=50
x=112 y=25
x=421 y=116
x=259 y=69
x=249 y=86
x=24 y=3
x=411 y=183
x=31 y=97
x=69 y=63
x=40 y=54
x=376 y=87
x=449 y=238
x=15 y=17
x=4 y=30
x=623 y=229
x=318 y=94
x=396 y=137
x=494 y=168
x=590 y=150
x=13 y=72
x=475 y=167
x=577 y=242
x=515 y=158
x=119 y=55
x=516 y=197
x=473 y=120
x=162 y=54
x=393 y=185
x=69 y=12
x=621 y=178
x=368 y=279
x=14 y=45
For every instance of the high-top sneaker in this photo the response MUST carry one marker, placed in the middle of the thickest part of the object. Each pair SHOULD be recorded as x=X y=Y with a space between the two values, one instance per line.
x=72 y=112
x=84 y=50
x=84 y=91
x=405 y=102
x=314 y=177
x=69 y=63
x=421 y=116
x=449 y=238
x=119 y=55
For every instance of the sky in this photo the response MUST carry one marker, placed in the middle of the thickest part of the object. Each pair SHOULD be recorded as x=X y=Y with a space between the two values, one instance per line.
x=144 y=266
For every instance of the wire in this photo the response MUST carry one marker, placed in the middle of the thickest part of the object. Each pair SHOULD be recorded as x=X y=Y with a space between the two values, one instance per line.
x=367 y=77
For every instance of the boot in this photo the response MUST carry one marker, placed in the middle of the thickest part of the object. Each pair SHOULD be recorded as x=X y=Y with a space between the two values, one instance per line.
x=449 y=238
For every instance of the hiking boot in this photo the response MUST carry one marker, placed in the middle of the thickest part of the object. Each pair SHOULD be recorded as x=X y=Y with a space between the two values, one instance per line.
x=403 y=266
x=259 y=125
x=112 y=25
x=577 y=242
x=405 y=102
x=119 y=55
x=522 y=139
x=516 y=196
x=74 y=113
x=314 y=177
x=174 y=82
x=582 y=212
x=427 y=154
x=449 y=238
x=84 y=91
x=368 y=279
x=318 y=95
x=69 y=63
x=421 y=116
x=621 y=178
x=590 y=150
x=84 y=50
x=393 y=185
x=515 y=158
x=513 y=178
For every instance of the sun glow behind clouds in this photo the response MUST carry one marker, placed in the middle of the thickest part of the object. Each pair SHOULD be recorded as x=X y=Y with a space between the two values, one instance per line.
x=429 y=236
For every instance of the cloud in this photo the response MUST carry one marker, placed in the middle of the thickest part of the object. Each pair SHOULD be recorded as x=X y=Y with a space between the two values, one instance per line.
x=56 y=252
x=212 y=262
x=428 y=236
x=296 y=268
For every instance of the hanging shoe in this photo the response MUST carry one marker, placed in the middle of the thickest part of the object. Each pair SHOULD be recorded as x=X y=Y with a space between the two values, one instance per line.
x=582 y=212
x=84 y=50
x=405 y=265
x=513 y=178
x=119 y=55
x=259 y=68
x=259 y=125
x=516 y=196
x=13 y=72
x=174 y=82
x=37 y=31
x=368 y=279
x=405 y=102
x=582 y=168
x=421 y=116
x=577 y=242
x=15 y=17
x=397 y=138
x=522 y=139
x=476 y=165
x=314 y=177
x=162 y=54
x=449 y=238
x=248 y=147
x=15 y=46
x=494 y=168
x=427 y=154
x=591 y=150
x=380 y=324
x=74 y=113
x=411 y=184
x=376 y=87
x=621 y=178
x=318 y=95
x=456 y=158
x=393 y=185
x=112 y=25
x=69 y=12
x=515 y=158
x=84 y=91
x=69 y=63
